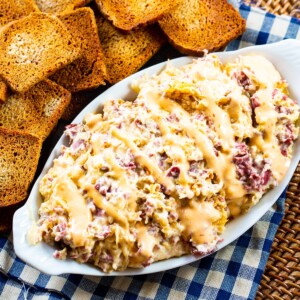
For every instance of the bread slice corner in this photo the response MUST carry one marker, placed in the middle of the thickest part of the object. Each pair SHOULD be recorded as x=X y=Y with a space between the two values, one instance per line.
x=128 y=14
x=195 y=26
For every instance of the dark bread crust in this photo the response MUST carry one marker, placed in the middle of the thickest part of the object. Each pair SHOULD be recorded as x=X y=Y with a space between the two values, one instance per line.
x=195 y=26
x=19 y=158
x=3 y=91
x=78 y=102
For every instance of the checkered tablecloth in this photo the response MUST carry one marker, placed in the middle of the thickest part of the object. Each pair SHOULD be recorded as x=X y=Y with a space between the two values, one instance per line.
x=232 y=273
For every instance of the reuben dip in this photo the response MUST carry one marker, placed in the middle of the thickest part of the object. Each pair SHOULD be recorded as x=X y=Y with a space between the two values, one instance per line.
x=159 y=177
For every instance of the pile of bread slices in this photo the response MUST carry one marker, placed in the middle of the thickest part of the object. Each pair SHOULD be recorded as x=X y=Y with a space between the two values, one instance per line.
x=52 y=51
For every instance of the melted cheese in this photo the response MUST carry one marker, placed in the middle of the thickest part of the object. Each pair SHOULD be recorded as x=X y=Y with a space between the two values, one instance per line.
x=267 y=116
x=120 y=175
x=79 y=213
x=145 y=161
x=145 y=240
x=197 y=220
x=221 y=164
x=93 y=121
x=222 y=124
x=263 y=69
x=109 y=209
x=178 y=153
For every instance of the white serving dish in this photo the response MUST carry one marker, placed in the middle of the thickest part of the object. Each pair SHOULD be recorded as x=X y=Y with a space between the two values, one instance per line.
x=285 y=55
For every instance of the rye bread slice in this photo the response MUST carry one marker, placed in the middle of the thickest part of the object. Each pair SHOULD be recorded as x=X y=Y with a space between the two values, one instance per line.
x=89 y=70
x=11 y=10
x=127 y=14
x=60 y=6
x=194 y=26
x=125 y=53
x=36 y=111
x=33 y=48
x=19 y=158
x=3 y=91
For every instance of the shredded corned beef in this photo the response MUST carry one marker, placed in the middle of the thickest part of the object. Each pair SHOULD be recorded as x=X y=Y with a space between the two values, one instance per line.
x=254 y=102
x=106 y=258
x=173 y=118
x=104 y=232
x=128 y=161
x=173 y=172
x=283 y=110
x=255 y=177
x=147 y=210
x=77 y=146
x=72 y=130
x=244 y=81
x=197 y=170
x=60 y=231
x=103 y=186
x=286 y=139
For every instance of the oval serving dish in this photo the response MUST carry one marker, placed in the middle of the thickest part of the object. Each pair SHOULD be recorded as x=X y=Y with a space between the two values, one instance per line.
x=285 y=56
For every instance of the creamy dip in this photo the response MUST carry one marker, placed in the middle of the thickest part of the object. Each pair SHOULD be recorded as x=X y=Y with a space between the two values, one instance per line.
x=160 y=176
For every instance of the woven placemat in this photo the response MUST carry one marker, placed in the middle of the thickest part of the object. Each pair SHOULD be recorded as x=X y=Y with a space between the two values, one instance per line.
x=281 y=278
x=279 y=7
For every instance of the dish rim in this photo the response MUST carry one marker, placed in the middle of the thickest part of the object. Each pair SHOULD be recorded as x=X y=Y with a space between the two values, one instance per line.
x=38 y=256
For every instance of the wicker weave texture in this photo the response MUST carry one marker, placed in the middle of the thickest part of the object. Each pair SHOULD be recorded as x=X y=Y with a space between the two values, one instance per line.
x=279 y=7
x=281 y=279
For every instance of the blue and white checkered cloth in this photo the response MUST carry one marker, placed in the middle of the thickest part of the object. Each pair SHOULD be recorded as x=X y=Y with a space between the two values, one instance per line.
x=232 y=273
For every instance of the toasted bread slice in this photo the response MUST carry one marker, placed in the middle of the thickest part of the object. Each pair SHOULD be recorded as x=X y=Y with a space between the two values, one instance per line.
x=127 y=14
x=60 y=6
x=125 y=53
x=36 y=111
x=3 y=91
x=19 y=158
x=194 y=26
x=89 y=70
x=11 y=10
x=33 y=48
